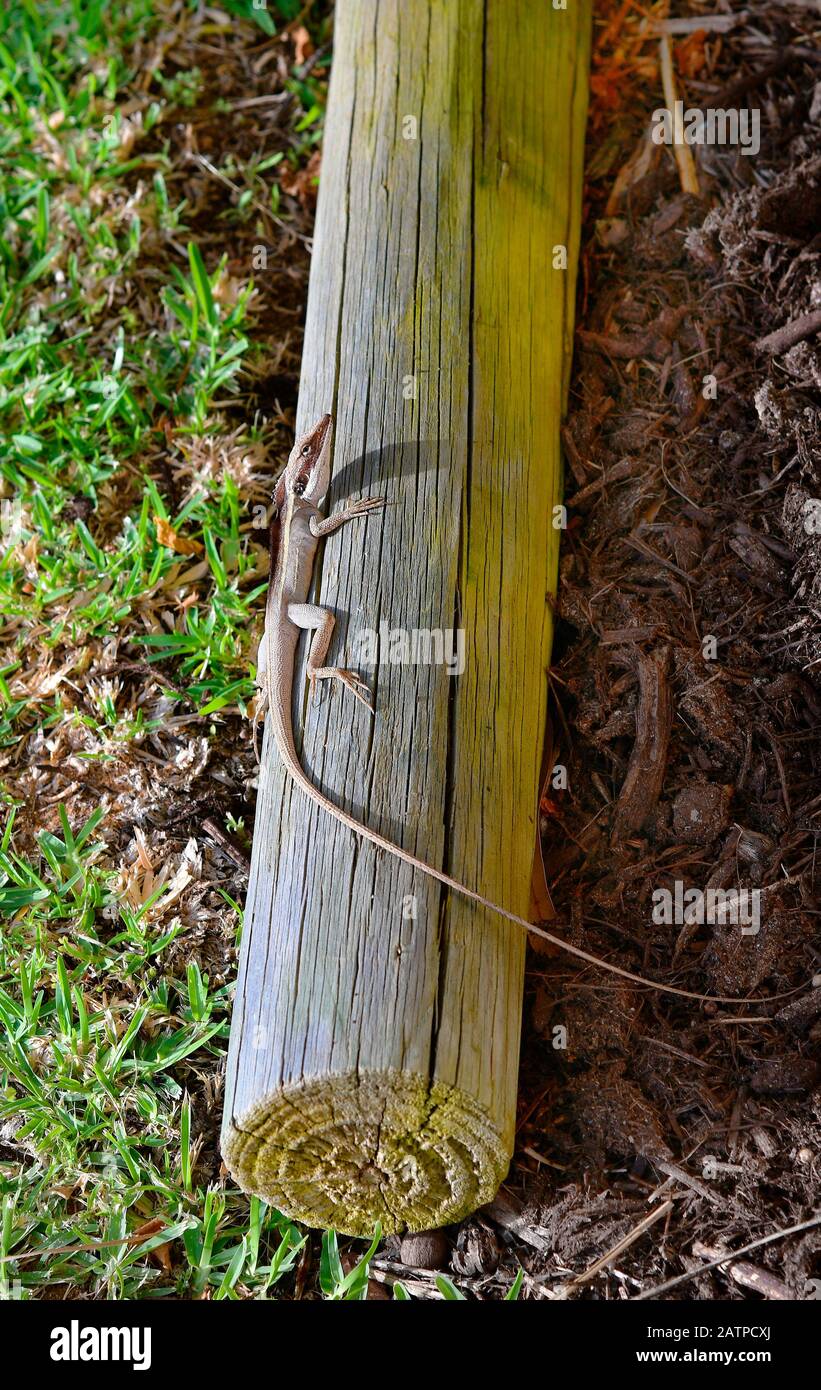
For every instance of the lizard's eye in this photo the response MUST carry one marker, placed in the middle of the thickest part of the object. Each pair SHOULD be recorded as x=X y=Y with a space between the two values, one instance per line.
x=306 y=451
x=299 y=486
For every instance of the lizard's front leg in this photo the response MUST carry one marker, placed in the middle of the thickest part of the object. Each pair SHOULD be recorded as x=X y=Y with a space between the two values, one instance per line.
x=327 y=526
x=321 y=622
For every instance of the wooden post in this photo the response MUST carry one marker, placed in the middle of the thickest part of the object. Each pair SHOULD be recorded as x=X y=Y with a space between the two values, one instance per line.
x=375 y=1040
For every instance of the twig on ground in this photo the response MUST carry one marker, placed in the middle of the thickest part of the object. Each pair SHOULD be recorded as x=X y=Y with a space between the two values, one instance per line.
x=791 y=333
x=623 y=1244
x=747 y=1275
x=226 y=845
x=688 y=176
x=727 y=1258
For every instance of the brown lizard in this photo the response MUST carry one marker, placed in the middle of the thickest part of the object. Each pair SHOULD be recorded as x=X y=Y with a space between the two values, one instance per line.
x=296 y=528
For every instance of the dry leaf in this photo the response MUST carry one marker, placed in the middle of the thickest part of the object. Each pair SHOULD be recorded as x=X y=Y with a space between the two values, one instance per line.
x=65 y=1190
x=162 y=1253
x=691 y=57
x=303 y=48
x=148 y=1229
x=301 y=183
x=166 y=535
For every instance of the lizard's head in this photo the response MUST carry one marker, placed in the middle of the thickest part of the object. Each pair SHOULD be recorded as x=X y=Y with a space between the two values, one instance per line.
x=308 y=471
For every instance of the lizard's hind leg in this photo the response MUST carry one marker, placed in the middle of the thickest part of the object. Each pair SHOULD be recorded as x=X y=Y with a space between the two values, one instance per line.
x=321 y=622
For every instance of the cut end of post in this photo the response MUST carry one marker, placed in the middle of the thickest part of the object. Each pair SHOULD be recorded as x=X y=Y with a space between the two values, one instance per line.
x=353 y=1150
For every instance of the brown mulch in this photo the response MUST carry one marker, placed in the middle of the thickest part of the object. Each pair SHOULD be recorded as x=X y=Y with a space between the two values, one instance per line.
x=691 y=518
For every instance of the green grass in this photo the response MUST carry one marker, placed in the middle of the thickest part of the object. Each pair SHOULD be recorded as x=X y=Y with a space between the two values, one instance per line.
x=118 y=343
x=127 y=543
x=83 y=388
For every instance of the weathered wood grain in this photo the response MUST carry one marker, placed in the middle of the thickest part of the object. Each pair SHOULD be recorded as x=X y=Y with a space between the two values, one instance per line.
x=375 y=1040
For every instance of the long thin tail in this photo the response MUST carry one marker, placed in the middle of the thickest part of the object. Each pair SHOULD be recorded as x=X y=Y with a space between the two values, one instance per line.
x=299 y=775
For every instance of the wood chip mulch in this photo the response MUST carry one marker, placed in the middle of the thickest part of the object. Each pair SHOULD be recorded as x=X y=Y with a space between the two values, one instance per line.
x=686 y=701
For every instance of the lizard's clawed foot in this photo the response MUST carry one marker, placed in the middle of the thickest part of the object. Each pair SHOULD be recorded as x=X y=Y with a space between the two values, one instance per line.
x=259 y=718
x=366 y=505
x=349 y=679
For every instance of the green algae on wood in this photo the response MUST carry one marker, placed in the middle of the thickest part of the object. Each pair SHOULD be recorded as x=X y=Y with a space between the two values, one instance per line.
x=375 y=1040
x=356 y=1148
